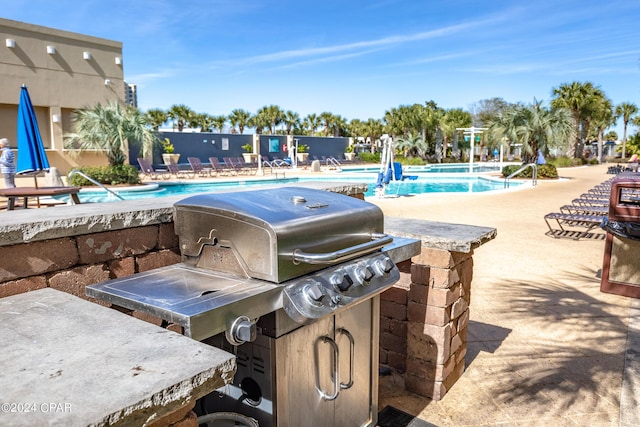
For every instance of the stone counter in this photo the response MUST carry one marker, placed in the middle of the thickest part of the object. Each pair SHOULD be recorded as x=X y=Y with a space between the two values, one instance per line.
x=68 y=362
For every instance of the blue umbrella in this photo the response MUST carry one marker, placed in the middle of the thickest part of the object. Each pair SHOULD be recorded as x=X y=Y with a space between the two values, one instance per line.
x=32 y=158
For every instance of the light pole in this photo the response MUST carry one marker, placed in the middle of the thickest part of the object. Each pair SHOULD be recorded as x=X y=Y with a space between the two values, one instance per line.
x=472 y=131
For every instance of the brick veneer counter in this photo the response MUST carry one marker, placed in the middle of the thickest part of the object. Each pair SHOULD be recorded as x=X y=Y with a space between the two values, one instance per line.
x=69 y=362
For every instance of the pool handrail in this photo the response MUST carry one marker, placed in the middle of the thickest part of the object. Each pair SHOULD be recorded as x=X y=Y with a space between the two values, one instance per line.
x=88 y=178
x=534 y=176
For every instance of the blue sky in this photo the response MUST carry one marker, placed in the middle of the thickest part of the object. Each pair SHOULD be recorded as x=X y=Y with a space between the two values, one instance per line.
x=356 y=58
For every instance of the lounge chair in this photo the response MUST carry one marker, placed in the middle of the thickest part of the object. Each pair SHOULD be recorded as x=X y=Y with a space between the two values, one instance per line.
x=175 y=170
x=220 y=168
x=198 y=168
x=572 y=225
x=584 y=209
x=146 y=169
x=248 y=168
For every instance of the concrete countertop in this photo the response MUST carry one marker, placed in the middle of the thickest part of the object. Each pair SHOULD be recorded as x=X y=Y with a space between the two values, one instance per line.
x=32 y=225
x=72 y=362
x=440 y=235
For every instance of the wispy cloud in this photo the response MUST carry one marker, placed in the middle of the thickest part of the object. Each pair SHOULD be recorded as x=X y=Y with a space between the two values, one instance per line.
x=336 y=52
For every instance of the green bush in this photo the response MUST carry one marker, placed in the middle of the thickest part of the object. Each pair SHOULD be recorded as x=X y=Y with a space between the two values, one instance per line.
x=565 y=162
x=410 y=161
x=547 y=171
x=108 y=175
x=369 y=158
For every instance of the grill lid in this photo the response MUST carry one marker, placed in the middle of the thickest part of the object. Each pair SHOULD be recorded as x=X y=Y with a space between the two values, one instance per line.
x=276 y=234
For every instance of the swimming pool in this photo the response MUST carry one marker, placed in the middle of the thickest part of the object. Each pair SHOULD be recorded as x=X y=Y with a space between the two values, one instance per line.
x=423 y=184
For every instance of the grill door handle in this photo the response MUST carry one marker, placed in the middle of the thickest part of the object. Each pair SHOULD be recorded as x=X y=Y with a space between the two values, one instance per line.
x=352 y=346
x=335 y=353
x=377 y=242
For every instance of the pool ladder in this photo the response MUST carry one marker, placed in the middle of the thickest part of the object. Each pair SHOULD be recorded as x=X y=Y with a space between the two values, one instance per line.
x=534 y=175
x=88 y=178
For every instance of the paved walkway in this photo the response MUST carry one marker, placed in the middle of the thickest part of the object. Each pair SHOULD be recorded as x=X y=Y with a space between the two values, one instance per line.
x=545 y=346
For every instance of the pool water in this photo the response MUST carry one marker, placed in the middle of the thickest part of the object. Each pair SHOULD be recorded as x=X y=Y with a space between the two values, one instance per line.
x=424 y=184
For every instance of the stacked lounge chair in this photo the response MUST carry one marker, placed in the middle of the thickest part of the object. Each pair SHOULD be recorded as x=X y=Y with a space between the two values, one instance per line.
x=584 y=214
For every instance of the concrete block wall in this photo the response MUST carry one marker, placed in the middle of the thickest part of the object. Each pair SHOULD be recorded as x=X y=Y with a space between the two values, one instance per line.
x=427 y=341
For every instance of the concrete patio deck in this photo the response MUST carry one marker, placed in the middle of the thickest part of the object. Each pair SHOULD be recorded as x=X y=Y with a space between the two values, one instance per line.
x=545 y=346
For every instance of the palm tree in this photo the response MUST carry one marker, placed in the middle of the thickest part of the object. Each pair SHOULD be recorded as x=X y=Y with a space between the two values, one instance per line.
x=291 y=121
x=626 y=110
x=109 y=127
x=327 y=118
x=259 y=122
x=580 y=99
x=203 y=121
x=272 y=115
x=602 y=118
x=412 y=145
x=537 y=128
x=312 y=122
x=239 y=118
x=180 y=113
x=373 y=130
x=218 y=122
x=156 y=117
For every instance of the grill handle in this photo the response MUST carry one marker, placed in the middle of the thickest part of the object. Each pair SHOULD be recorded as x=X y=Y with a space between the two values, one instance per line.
x=377 y=242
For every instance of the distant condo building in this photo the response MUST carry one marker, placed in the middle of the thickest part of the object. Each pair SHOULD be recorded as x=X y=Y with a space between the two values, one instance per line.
x=131 y=94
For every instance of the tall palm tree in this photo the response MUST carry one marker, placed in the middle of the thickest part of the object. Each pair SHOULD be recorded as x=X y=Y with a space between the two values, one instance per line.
x=535 y=127
x=312 y=122
x=259 y=122
x=219 y=122
x=110 y=127
x=271 y=114
x=291 y=120
x=181 y=114
x=327 y=119
x=602 y=118
x=239 y=118
x=203 y=121
x=580 y=99
x=627 y=111
x=412 y=145
x=373 y=130
x=156 y=117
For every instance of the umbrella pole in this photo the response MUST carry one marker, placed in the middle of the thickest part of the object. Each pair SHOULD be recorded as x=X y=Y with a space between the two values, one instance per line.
x=35 y=179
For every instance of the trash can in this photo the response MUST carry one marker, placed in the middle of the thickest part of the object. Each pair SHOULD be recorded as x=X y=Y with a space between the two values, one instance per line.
x=621 y=264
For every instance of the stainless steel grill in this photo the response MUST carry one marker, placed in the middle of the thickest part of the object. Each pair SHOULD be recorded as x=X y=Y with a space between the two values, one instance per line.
x=287 y=279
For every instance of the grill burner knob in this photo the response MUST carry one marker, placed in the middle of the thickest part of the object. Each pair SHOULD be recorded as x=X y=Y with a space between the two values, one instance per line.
x=343 y=282
x=383 y=266
x=315 y=292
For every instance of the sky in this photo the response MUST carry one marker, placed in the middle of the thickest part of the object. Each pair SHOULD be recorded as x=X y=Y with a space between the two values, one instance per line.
x=354 y=58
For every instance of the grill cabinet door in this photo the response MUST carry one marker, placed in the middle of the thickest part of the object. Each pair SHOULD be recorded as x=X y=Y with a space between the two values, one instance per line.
x=306 y=365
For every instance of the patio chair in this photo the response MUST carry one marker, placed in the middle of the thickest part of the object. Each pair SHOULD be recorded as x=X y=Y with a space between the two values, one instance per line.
x=572 y=225
x=197 y=167
x=233 y=164
x=220 y=168
x=248 y=168
x=175 y=170
x=584 y=209
x=147 y=170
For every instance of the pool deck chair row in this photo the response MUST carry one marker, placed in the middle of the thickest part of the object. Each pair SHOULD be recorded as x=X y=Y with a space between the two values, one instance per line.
x=572 y=225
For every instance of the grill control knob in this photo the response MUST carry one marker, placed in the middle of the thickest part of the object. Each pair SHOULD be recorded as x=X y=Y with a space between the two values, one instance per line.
x=343 y=282
x=315 y=292
x=364 y=274
x=383 y=266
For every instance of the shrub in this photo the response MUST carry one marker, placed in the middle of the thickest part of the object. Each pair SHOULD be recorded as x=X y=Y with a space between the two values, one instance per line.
x=109 y=175
x=369 y=157
x=410 y=161
x=547 y=171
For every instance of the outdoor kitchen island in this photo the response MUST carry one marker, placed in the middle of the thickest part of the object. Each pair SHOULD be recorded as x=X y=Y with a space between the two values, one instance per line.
x=69 y=362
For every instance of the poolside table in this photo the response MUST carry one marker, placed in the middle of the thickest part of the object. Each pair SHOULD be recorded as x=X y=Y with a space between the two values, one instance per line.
x=25 y=192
